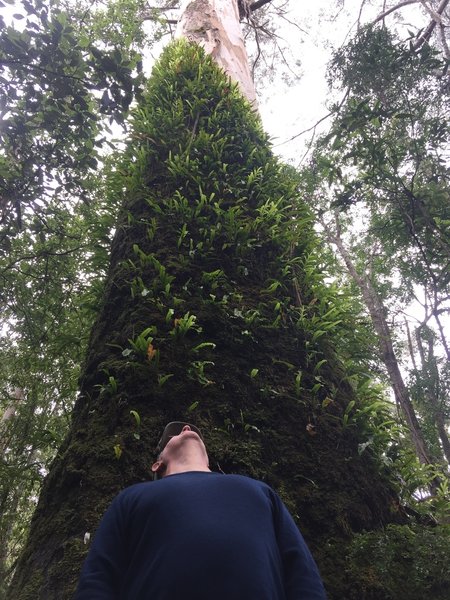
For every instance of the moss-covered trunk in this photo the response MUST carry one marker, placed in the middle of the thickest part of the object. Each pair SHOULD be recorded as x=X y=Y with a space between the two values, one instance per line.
x=210 y=315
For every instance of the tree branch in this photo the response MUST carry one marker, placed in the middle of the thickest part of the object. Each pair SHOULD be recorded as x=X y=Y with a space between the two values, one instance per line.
x=313 y=128
x=255 y=5
x=434 y=15
x=429 y=30
x=393 y=9
x=444 y=41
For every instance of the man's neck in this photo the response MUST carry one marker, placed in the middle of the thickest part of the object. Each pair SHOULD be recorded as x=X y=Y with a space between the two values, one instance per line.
x=186 y=464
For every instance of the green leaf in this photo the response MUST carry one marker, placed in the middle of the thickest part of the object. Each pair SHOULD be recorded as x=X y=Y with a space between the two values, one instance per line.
x=203 y=345
x=136 y=416
x=163 y=378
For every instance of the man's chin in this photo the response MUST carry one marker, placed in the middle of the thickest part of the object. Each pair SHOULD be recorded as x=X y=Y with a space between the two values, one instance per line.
x=190 y=435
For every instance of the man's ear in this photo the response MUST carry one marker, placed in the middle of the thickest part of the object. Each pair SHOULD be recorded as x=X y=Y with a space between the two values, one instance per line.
x=156 y=466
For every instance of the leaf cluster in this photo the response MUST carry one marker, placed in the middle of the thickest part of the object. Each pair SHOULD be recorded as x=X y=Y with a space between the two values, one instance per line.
x=402 y=562
x=57 y=85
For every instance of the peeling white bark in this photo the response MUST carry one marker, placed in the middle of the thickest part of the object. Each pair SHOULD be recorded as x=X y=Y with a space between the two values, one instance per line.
x=214 y=25
x=18 y=396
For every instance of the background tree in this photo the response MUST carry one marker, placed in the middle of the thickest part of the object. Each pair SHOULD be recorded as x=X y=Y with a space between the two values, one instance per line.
x=384 y=164
x=61 y=87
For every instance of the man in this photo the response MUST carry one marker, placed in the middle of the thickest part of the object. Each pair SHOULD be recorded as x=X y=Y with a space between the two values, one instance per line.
x=197 y=535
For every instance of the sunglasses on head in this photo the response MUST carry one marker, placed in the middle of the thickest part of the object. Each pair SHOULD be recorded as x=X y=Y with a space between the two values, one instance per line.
x=171 y=430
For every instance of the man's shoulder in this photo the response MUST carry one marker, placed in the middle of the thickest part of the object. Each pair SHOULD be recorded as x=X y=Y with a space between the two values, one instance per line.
x=245 y=482
x=136 y=489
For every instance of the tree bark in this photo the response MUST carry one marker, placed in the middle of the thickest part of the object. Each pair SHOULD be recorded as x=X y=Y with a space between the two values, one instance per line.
x=17 y=397
x=442 y=430
x=425 y=36
x=214 y=25
x=432 y=399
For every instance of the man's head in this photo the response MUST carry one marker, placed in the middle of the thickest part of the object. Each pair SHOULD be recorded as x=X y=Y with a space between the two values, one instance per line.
x=180 y=449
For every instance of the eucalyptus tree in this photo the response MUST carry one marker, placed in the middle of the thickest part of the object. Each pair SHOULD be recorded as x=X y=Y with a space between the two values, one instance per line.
x=213 y=310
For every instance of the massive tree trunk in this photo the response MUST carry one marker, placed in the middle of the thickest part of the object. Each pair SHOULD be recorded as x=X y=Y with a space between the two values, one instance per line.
x=200 y=322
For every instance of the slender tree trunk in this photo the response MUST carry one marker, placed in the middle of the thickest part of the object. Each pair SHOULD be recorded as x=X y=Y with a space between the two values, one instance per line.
x=442 y=335
x=10 y=413
x=9 y=502
x=376 y=311
x=20 y=456
x=442 y=430
x=425 y=36
x=432 y=398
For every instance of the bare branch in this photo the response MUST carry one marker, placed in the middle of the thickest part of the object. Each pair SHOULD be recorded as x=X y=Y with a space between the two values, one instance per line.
x=434 y=15
x=442 y=334
x=293 y=23
x=360 y=13
x=444 y=41
x=393 y=9
x=258 y=47
x=313 y=129
x=150 y=12
x=173 y=4
x=384 y=8
x=283 y=58
x=410 y=344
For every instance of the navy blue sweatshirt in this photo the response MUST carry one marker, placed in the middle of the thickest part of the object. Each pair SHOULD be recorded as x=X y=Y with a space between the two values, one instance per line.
x=199 y=536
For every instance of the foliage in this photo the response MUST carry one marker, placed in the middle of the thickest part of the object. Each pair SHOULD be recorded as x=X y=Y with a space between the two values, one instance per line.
x=48 y=310
x=215 y=195
x=383 y=165
x=215 y=310
x=50 y=287
x=391 y=140
x=402 y=562
x=58 y=85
